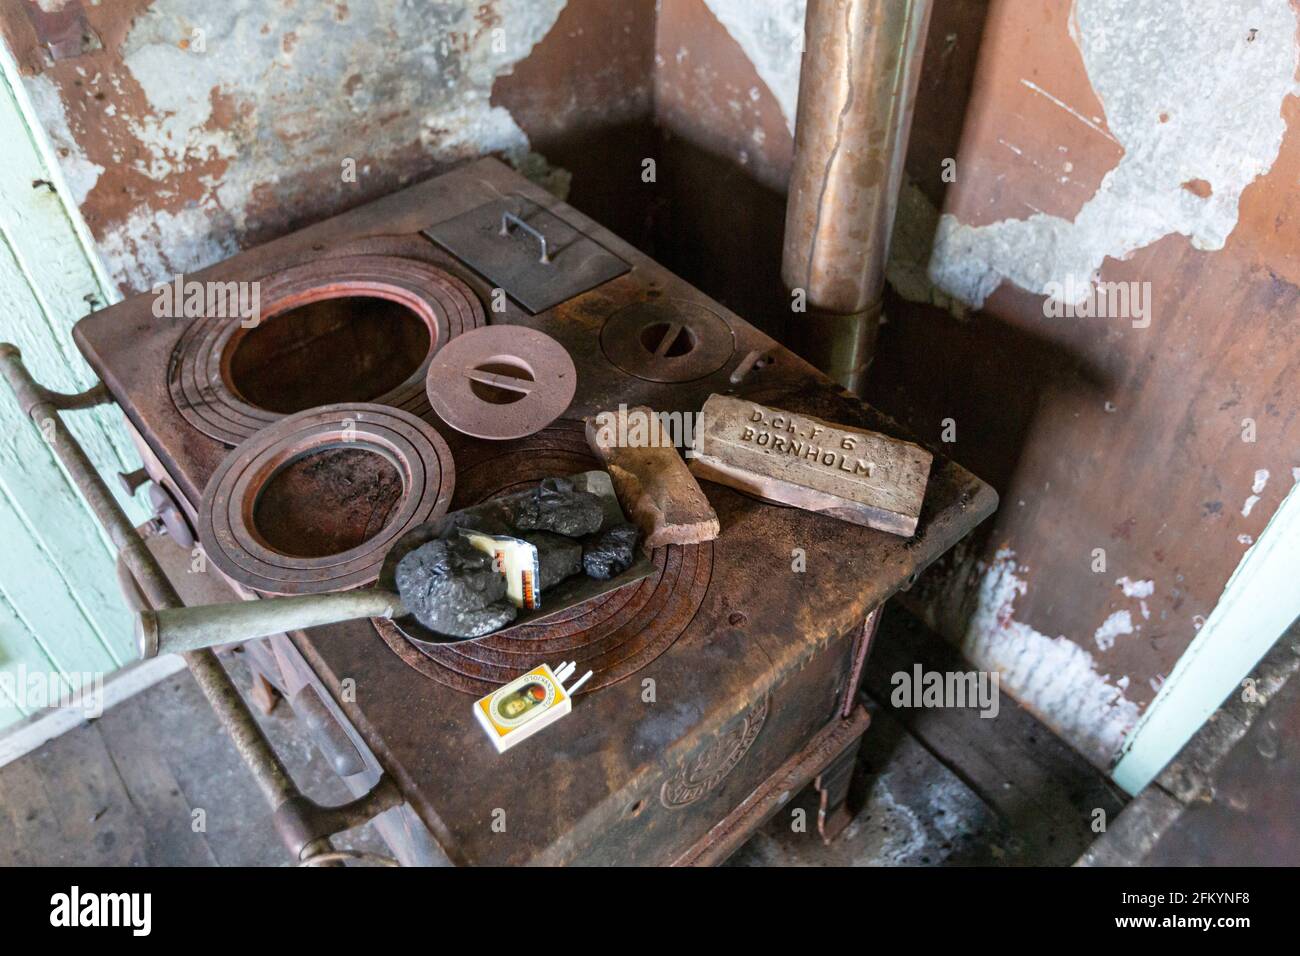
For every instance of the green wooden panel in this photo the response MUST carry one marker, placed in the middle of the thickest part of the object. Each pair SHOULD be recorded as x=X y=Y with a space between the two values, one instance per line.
x=17 y=654
x=60 y=610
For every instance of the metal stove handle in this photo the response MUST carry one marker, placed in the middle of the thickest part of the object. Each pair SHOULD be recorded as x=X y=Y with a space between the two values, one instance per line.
x=508 y=217
x=180 y=629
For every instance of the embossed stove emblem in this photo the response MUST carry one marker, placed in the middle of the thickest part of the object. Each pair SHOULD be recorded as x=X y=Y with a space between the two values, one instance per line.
x=704 y=770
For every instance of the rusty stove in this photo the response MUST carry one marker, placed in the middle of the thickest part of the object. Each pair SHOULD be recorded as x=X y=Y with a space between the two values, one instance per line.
x=723 y=683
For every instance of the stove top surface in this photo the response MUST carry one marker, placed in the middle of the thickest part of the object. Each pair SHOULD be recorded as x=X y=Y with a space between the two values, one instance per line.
x=715 y=630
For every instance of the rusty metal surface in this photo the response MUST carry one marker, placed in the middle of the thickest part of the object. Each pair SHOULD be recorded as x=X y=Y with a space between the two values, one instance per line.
x=861 y=650
x=856 y=99
x=614 y=636
x=538 y=259
x=210 y=387
x=668 y=341
x=501 y=382
x=746 y=633
x=331 y=499
x=836 y=740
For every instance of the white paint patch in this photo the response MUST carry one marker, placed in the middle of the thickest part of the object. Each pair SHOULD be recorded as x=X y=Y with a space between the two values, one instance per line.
x=1117 y=625
x=78 y=172
x=771 y=35
x=1256 y=488
x=1261 y=479
x=1136 y=589
x=1054 y=677
x=152 y=245
x=1139 y=590
x=1219 y=73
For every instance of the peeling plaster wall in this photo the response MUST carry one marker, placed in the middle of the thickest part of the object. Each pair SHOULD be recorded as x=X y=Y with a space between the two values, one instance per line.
x=199 y=128
x=1055 y=677
x=1138 y=142
x=1192 y=141
x=771 y=35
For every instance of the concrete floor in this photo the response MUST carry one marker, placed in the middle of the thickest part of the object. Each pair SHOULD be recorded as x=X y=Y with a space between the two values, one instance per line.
x=155 y=782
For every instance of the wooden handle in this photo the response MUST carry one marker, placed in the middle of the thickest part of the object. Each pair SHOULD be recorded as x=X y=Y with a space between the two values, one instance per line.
x=176 y=630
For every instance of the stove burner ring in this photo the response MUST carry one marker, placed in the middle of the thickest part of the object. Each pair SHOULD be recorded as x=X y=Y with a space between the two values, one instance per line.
x=404 y=444
x=614 y=635
x=199 y=377
x=667 y=340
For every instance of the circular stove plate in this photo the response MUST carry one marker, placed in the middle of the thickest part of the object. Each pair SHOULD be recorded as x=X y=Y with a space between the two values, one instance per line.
x=198 y=376
x=501 y=382
x=667 y=340
x=613 y=635
x=227 y=526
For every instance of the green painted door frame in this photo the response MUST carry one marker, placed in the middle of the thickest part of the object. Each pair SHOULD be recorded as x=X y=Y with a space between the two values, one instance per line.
x=61 y=615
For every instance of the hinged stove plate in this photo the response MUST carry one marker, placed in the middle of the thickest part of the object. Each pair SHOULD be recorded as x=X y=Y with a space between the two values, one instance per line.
x=507 y=240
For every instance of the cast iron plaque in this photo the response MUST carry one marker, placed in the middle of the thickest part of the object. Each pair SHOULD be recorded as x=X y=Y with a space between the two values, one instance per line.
x=536 y=257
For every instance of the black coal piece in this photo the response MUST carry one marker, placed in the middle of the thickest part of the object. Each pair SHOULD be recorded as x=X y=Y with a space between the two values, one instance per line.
x=611 y=552
x=555 y=505
x=558 y=557
x=453 y=588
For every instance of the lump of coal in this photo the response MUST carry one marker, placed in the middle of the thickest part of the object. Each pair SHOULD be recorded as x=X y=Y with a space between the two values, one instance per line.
x=453 y=588
x=610 y=552
x=450 y=526
x=558 y=557
x=555 y=505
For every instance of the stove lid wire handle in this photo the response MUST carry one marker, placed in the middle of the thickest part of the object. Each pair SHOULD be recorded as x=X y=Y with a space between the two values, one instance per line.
x=508 y=217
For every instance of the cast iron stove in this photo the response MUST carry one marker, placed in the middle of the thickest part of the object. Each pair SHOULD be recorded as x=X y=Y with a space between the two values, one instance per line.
x=723 y=683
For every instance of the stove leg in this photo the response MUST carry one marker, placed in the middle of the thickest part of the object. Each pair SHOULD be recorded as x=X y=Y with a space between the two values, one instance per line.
x=832 y=786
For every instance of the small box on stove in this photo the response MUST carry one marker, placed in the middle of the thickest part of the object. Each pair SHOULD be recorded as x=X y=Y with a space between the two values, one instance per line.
x=522 y=708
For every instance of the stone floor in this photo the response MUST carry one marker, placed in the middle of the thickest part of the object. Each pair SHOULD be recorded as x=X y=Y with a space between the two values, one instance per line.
x=154 y=781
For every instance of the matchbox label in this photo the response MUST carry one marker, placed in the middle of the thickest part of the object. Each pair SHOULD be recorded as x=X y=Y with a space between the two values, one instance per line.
x=522 y=700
